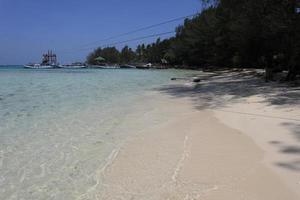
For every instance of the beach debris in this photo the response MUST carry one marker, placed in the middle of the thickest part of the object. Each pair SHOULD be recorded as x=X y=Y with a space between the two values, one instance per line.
x=174 y=79
x=196 y=80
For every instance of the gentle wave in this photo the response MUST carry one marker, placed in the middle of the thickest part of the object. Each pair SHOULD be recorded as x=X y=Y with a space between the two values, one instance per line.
x=61 y=129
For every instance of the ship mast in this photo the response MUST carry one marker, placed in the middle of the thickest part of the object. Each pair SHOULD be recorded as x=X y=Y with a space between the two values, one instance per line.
x=50 y=58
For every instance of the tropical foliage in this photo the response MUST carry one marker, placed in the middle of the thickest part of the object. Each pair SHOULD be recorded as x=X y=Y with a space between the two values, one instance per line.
x=227 y=33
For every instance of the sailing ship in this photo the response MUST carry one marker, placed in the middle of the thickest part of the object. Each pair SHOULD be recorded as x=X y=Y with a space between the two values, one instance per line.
x=49 y=61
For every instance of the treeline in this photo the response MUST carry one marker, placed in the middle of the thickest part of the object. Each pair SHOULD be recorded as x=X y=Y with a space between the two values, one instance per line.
x=227 y=33
x=112 y=55
x=151 y=53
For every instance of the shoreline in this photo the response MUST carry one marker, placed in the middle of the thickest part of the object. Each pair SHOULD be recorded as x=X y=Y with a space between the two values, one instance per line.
x=194 y=153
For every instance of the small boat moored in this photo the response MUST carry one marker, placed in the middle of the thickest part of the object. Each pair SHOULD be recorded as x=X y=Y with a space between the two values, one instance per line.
x=145 y=66
x=38 y=66
x=76 y=65
x=127 y=67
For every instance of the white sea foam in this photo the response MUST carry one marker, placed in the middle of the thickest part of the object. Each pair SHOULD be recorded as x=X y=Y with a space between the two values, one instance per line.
x=100 y=173
x=180 y=163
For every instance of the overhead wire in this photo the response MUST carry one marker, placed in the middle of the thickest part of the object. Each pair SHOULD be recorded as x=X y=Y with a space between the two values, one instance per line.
x=143 y=28
x=129 y=40
x=95 y=45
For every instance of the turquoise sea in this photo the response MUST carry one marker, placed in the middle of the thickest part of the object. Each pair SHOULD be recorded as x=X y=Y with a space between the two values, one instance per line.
x=57 y=127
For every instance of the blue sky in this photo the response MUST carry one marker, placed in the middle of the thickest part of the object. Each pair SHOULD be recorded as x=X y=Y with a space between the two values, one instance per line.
x=28 y=28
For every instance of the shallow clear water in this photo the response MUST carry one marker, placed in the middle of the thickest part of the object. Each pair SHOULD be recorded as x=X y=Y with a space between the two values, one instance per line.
x=57 y=127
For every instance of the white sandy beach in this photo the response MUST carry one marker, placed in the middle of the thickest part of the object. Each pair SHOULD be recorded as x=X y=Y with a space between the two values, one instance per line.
x=229 y=137
x=199 y=142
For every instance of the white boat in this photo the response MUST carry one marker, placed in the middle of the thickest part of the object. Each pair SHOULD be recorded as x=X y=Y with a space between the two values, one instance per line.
x=110 y=67
x=127 y=66
x=76 y=65
x=49 y=62
x=72 y=66
x=103 y=67
x=38 y=66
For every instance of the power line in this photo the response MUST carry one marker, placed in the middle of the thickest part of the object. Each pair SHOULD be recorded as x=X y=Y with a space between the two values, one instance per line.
x=130 y=40
x=141 y=29
x=140 y=38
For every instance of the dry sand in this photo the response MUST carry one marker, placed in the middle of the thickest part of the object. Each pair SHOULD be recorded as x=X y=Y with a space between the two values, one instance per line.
x=202 y=142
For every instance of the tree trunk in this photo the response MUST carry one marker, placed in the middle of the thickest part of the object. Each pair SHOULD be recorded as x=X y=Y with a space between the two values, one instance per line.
x=269 y=69
x=292 y=74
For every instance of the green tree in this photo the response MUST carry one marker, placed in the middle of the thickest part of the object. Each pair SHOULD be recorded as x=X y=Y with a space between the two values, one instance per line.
x=127 y=55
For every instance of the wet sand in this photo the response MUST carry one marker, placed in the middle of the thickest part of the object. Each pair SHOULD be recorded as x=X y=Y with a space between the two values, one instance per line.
x=187 y=150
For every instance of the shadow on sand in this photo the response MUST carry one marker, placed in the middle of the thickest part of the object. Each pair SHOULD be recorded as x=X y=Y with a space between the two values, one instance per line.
x=222 y=89
x=293 y=165
x=219 y=90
